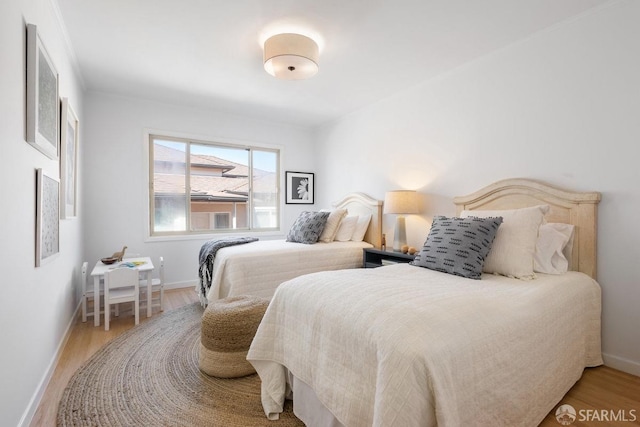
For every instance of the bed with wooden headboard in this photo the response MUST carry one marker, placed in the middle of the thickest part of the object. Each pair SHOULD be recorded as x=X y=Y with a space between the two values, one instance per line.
x=404 y=345
x=258 y=268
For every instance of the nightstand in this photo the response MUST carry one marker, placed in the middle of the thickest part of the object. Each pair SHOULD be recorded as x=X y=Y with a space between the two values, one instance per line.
x=372 y=258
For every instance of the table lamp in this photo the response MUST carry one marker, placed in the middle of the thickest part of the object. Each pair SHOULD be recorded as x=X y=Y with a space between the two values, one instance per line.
x=400 y=202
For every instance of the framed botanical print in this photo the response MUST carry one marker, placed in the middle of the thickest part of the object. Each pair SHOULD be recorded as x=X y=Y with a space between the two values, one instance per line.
x=299 y=187
x=68 y=161
x=42 y=96
x=47 y=218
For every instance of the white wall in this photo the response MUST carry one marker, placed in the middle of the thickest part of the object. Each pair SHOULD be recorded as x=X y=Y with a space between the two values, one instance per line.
x=562 y=106
x=38 y=303
x=116 y=198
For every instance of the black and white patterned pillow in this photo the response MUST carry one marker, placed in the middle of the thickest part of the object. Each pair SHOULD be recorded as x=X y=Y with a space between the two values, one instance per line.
x=308 y=227
x=458 y=245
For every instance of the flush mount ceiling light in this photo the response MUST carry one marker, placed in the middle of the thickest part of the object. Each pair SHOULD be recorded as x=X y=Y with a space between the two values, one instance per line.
x=290 y=56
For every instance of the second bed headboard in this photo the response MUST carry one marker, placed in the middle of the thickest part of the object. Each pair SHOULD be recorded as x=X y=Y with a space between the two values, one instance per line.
x=362 y=204
x=570 y=207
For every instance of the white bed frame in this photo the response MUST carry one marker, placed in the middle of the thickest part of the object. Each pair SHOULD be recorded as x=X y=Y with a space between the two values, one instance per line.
x=570 y=207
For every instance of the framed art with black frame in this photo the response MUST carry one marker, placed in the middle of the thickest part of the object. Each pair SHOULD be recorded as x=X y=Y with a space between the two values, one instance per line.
x=42 y=96
x=299 y=188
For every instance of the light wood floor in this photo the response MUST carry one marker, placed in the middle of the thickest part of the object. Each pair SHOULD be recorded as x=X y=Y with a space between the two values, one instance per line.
x=599 y=388
x=85 y=340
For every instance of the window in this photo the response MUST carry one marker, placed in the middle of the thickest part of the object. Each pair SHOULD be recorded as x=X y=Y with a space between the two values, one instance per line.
x=229 y=187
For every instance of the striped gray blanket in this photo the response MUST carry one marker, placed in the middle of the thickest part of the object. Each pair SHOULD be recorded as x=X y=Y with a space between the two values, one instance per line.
x=206 y=258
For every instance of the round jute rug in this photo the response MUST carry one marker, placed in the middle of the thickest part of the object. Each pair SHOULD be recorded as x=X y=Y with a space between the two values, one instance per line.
x=149 y=376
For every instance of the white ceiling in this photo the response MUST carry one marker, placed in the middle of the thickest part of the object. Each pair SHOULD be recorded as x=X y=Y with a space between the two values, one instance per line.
x=207 y=53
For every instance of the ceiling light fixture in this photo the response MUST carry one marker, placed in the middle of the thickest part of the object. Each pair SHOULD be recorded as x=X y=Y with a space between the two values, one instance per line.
x=290 y=56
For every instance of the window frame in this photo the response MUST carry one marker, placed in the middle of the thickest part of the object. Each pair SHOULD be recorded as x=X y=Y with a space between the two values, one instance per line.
x=212 y=217
x=152 y=135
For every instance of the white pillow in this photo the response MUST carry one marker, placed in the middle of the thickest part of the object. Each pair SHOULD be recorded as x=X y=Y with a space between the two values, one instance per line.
x=331 y=227
x=515 y=244
x=361 y=228
x=346 y=229
x=554 y=241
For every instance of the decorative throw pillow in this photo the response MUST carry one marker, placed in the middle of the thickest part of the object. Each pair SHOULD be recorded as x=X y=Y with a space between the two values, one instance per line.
x=458 y=245
x=361 y=228
x=551 y=248
x=347 y=226
x=307 y=227
x=331 y=227
x=512 y=252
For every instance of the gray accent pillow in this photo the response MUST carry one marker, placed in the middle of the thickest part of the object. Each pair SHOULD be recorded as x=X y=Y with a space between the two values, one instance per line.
x=458 y=245
x=308 y=227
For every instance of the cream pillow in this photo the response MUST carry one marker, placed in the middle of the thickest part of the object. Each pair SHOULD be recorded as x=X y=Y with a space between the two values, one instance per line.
x=347 y=226
x=555 y=240
x=361 y=228
x=514 y=247
x=331 y=227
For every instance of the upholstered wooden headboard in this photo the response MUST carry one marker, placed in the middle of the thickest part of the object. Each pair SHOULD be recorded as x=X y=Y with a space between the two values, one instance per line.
x=577 y=208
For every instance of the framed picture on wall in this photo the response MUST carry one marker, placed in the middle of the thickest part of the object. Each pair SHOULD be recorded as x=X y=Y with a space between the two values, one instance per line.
x=47 y=218
x=42 y=96
x=299 y=188
x=68 y=161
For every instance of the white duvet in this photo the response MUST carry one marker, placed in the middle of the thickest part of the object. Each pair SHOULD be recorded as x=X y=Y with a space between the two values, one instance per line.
x=258 y=268
x=406 y=346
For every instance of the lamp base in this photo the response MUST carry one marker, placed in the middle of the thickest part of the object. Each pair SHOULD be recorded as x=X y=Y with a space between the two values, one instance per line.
x=400 y=235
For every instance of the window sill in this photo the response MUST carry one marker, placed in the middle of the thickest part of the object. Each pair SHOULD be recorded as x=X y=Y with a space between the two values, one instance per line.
x=271 y=235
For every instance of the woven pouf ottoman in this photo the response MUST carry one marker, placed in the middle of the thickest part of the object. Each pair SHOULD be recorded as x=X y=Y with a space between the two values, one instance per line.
x=228 y=327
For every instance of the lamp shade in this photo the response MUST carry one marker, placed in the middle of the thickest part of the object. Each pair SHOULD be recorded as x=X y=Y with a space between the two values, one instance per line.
x=401 y=202
x=290 y=56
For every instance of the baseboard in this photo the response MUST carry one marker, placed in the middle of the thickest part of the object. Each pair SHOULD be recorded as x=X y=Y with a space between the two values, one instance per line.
x=629 y=366
x=181 y=285
x=27 y=417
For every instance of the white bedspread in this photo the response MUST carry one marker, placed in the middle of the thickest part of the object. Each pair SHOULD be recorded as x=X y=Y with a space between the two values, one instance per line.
x=258 y=268
x=406 y=346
